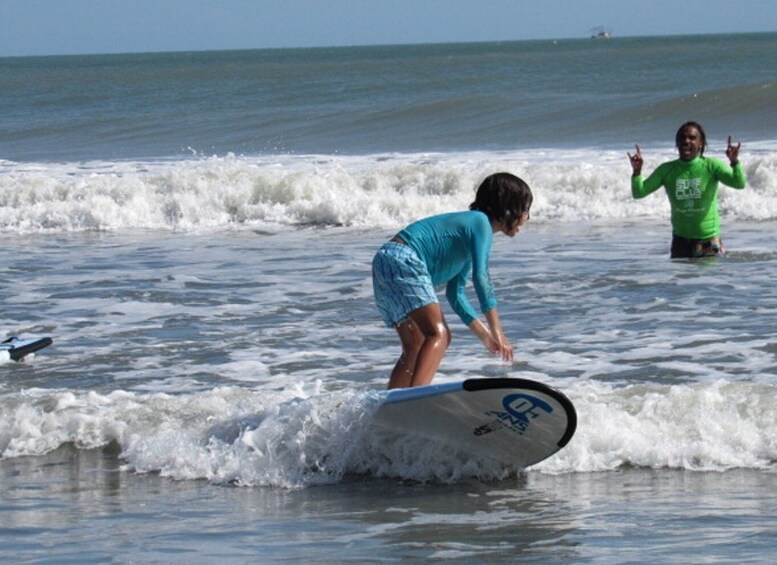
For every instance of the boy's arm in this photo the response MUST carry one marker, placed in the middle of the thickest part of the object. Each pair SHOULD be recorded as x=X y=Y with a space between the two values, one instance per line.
x=642 y=187
x=492 y=336
x=639 y=187
x=733 y=176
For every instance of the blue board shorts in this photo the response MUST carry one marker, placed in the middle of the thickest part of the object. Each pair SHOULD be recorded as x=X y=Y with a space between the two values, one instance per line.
x=401 y=283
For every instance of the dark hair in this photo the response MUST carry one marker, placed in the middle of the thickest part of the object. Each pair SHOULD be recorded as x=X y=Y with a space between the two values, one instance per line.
x=503 y=198
x=692 y=125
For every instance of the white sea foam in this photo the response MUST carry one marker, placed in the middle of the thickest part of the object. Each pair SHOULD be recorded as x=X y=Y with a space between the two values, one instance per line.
x=218 y=193
x=304 y=435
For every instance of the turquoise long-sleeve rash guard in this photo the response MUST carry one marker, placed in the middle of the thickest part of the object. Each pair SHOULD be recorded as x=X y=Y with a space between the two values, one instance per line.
x=453 y=245
x=692 y=188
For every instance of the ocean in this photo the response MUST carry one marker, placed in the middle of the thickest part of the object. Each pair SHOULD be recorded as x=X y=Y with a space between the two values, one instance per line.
x=195 y=232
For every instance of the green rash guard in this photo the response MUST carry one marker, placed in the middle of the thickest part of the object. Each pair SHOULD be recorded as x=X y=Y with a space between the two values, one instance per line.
x=692 y=188
x=451 y=245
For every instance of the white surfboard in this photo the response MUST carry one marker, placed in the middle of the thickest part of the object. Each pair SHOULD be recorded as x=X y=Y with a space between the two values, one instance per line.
x=516 y=421
x=18 y=348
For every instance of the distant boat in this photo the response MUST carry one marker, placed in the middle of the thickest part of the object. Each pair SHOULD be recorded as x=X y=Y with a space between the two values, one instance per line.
x=601 y=33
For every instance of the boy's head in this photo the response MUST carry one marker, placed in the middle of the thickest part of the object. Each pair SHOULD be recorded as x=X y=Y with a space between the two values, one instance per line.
x=504 y=198
x=690 y=140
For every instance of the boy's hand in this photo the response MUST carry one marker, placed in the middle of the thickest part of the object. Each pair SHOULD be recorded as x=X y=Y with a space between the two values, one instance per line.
x=732 y=152
x=636 y=161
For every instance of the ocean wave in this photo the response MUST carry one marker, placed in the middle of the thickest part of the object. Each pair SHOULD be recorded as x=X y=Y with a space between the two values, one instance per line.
x=736 y=110
x=304 y=436
x=383 y=191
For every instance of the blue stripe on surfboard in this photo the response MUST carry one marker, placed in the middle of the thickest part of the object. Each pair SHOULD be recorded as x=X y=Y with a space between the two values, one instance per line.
x=403 y=394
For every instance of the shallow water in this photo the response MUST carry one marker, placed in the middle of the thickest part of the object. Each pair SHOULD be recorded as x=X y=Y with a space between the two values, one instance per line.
x=195 y=378
x=80 y=506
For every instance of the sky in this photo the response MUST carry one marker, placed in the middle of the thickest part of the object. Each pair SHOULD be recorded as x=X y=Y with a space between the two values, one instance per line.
x=65 y=27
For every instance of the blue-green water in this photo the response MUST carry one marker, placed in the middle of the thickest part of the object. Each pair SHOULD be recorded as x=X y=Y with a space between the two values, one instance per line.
x=491 y=96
